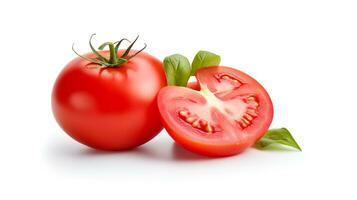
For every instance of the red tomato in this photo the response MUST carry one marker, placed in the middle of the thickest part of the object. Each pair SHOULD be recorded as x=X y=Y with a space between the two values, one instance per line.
x=229 y=113
x=110 y=108
x=193 y=85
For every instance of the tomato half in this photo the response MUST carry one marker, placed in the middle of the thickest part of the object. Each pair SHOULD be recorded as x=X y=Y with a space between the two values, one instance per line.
x=110 y=108
x=229 y=113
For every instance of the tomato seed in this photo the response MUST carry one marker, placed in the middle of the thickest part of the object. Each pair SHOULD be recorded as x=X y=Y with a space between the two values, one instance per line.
x=248 y=117
x=190 y=119
x=196 y=124
x=245 y=121
x=252 y=112
x=184 y=113
x=203 y=123
x=242 y=124
x=209 y=128
x=251 y=98
x=254 y=103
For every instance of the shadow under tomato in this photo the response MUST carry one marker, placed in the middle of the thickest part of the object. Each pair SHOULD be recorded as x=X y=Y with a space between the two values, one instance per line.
x=276 y=148
x=81 y=152
x=181 y=154
x=177 y=153
x=157 y=150
x=155 y=157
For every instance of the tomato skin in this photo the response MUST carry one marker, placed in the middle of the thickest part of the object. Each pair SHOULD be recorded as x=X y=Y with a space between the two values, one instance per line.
x=194 y=85
x=109 y=108
x=231 y=139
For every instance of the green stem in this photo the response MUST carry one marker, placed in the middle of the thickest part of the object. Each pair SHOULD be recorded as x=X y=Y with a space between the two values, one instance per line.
x=100 y=57
x=114 y=60
x=113 y=56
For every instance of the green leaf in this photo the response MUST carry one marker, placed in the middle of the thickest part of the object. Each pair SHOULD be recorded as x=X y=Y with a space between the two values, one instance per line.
x=177 y=69
x=277 y=136
x=204 y=59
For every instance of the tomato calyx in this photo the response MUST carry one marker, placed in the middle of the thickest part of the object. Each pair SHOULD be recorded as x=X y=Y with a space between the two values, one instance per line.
x=114 y=60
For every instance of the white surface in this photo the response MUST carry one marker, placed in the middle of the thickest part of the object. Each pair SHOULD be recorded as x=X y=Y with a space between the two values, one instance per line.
x=303 y=52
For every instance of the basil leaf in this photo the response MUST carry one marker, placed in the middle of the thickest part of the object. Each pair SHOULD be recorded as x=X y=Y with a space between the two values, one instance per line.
x=204 y=59
x=277 y=136
x=177 y=69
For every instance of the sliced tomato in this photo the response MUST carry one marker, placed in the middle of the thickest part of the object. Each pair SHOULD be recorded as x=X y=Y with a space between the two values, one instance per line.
x=229 y=112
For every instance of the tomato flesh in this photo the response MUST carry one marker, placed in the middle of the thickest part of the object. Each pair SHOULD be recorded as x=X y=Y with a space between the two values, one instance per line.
x=229 y=113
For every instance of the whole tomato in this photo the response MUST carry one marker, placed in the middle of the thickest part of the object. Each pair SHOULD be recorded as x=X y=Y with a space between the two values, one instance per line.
x=107 y=99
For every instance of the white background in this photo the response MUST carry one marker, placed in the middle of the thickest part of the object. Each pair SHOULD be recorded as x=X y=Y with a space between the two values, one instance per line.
x=304 y=53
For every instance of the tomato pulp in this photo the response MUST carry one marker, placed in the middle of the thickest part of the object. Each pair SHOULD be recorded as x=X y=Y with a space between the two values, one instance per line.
x=110 y=108
x=226 y=113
